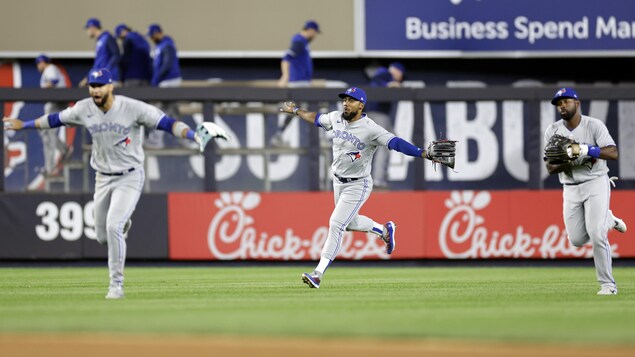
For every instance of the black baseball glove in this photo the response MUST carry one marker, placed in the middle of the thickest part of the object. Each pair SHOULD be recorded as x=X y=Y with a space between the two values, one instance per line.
x=442 y=152
x=561 y=150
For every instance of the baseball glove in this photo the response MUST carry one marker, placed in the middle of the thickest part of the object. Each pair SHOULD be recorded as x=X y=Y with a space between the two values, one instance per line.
x=561 y=150
x=442 y=152
x=206 y=131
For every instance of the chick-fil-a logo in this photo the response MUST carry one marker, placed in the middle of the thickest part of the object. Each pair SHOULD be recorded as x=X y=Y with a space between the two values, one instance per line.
x=232 y=235
x=463 y=234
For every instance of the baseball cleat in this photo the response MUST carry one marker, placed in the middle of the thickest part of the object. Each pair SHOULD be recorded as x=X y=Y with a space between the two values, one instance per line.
x=619 y=226
x=389 y=239
x=115 y=292
x=312 y=280
x=608 y=290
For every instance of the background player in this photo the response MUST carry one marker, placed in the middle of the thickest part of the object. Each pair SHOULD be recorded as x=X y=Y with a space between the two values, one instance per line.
x=297 y=68
x=136 y=63
x=387 y=77
x=117 y=158
x=107 y=53
x=587 y=190
x=355 y=139
x=52 y=77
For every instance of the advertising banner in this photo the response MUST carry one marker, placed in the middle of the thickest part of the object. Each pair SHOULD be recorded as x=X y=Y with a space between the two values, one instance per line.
x=442 y=225
x=284 y=226
x=62 y=226
x=500 y=27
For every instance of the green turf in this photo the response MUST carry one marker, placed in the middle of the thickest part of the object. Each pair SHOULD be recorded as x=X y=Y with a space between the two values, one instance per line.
x=556 y=305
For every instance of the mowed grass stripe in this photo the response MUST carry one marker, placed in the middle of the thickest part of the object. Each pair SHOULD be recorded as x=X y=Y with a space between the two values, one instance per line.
x=556 y=305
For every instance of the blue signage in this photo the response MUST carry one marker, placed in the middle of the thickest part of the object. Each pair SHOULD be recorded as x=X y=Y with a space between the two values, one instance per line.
x=501 y=27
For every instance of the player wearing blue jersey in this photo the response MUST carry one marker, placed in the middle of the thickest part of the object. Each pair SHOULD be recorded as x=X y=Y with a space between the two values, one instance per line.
x=107 y=53
x=387 y=77
x=114 y=123
x=586 y=184
x=136 y=63
x=166 y=72
x=356 y=137
x=297 y=67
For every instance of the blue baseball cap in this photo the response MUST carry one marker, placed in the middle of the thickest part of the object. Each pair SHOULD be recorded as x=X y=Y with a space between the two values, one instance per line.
x=42 y=58
x=154 y=28
x=312 y=25
x=99 y=76
x=93 y=22
x=355 y=93
x=120 y=28
x=564 y=93
x=399 y=66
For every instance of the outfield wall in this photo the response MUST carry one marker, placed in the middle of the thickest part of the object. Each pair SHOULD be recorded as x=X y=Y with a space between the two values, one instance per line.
x=466 y=224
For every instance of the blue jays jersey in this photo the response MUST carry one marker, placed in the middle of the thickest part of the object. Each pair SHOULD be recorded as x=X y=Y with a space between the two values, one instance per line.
x=116 y=134
x=354 y=144
x=107 y=54
x=590 y=131
x=136 y=62
x=299 y=58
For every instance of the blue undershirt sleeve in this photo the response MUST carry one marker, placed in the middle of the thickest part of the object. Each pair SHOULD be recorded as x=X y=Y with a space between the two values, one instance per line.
x=54 y=120
x=166 y=123
x=404 y=147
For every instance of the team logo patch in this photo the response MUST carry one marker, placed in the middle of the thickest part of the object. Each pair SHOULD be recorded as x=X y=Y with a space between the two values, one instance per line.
x=124 y=142
x=96 y=74
x=354 y=155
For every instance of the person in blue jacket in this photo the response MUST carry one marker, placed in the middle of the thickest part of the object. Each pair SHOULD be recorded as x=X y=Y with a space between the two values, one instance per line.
x=166 y=72
x=136 y=63
x=381 y=112
x=297 y=69
x=107 y=53
x=166 y=68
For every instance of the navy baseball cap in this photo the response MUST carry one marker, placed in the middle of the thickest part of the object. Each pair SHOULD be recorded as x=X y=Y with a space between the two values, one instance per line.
x=355 y=93
x=154 y=28
x=93 y=22
x=312 y=25
x=564 y=93
x=99 y=76
x=42 y=58
x=399 y=66
x=120 y=28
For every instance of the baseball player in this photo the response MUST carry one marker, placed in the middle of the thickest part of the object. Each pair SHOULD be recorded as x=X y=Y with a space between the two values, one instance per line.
x=166 y=72
x=387 y=77
x=355 y=139
x=52 y=78
x=296 y=68
x=107 y=53
x=114 y=123
x=586 y=184
x=136 y=63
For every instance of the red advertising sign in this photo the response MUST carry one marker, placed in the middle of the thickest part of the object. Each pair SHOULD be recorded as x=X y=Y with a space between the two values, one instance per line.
x=285 y=226
x=510 y=224
x=442 y=224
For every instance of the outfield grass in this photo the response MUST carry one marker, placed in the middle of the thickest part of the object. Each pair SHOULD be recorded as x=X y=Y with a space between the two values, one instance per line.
x=552 y=305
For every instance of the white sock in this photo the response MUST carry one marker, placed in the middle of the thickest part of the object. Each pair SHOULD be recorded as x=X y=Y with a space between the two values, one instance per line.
x=378 y=229
x=322 y=265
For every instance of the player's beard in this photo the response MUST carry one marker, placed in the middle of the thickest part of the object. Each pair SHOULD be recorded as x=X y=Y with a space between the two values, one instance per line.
x=104 y=99
x=568 y=114
x=350 y=115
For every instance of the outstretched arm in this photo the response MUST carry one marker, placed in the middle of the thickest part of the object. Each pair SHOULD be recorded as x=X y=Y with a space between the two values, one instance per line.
x=291 y=108
x=43 y=122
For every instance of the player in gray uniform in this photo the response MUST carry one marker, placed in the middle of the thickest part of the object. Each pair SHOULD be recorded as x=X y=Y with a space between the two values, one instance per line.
x=52 y=78
x=356 y=137
x=587 y=190
x=114 y=123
